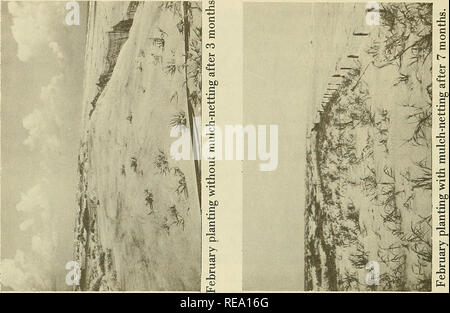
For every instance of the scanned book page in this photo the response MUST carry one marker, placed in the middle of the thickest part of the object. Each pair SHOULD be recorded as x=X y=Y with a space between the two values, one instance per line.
x=224 y=146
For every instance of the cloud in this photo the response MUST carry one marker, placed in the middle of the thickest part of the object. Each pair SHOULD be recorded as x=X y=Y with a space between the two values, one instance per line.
x=26 y=272
x=39 y=30
x=34 y=27
x=25 y=225
x=44 y=122
x=39 y=132
x=34 y=268
x=12 y=273
x=49 y=93
x=34 y=201
x=42 y=247
x=56 y=49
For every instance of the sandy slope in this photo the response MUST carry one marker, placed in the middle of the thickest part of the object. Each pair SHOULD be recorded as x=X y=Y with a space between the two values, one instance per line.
x=144 y=204
x=369 y=177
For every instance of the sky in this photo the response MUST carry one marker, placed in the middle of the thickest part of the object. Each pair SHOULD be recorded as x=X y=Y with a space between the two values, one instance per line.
x=275 y=93
x=42 y=62
x=290 y=53
x=42 y=78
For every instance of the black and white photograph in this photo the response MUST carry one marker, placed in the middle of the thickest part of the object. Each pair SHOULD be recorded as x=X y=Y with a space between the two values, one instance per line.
x=91 y=198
